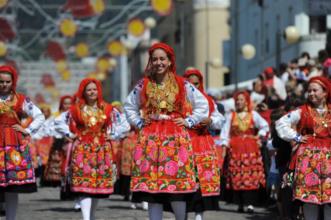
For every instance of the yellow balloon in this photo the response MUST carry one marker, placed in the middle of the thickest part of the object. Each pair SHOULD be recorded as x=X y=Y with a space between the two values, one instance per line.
x=162 y=7
x=61 y=66
x=3 y=49
x=98 y=6
x=92 y=75
x=68 y=27
x=101 y=76
x=3 y=3
x=82 y=50
x=103 y=65
x=66 y=75
x=115 y=48
x=136 y=27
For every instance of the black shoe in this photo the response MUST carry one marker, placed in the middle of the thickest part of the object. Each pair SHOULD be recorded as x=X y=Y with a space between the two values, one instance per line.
x=240 y=209
x=2 y=213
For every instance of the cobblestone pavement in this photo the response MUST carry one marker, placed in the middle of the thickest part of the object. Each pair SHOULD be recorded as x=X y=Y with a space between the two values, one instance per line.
x=45 y=205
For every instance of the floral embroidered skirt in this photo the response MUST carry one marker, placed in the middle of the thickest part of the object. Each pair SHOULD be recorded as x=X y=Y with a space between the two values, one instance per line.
x=92 y=169
x=163 y=160
x=16 y=169
x=245 y=170
x=312 y=180
x=129 y=143
x=53 y=169
x=206 y=161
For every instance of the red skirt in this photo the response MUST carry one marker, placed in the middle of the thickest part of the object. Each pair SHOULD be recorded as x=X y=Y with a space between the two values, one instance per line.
x=163 y=160
x=246 y=170
x=92 y=168
x=206 y=160
x=312 y=179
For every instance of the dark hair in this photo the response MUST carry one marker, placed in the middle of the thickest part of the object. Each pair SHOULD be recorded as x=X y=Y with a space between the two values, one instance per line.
x=305 y=54
x=322 y=55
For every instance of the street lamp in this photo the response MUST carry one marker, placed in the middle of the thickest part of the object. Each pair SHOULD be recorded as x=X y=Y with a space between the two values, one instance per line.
x=291 y=35
x=215 y=63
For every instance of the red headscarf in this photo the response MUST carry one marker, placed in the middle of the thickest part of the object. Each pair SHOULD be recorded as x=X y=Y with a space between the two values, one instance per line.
x=325 y=83
x=170 y=52
x=11 y=70
x=81 y=89
x=180 y=98
x=247 y=98
x=62 y=101
x=197 y=73
x=77 y=121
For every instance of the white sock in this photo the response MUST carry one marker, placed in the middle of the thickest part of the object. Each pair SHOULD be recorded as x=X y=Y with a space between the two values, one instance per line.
x=179 y=208
x=77 y=204
x=155 y=211
x=94 y=208
x=199 y=216
x=11 y=201
x=85 y=205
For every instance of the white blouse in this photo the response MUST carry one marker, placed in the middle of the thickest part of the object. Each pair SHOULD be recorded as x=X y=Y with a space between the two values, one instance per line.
x=194 y=96
x=284 y=126
x=45 y=129
x=260 y=123
x=120 y=127
x=217 y=119
x=61 y=126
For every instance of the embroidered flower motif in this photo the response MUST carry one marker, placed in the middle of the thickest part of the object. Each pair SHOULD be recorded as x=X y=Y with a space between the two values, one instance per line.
x=171 y=168
x=143 y=186
x=144 y=166
x=208 y=175
x=138 y=153
x=183 y=154
x=304 y=165
x=311 y=179
x=21 y=175
x=171 y=188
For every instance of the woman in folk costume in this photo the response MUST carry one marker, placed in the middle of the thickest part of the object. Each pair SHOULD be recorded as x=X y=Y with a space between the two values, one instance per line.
x=205 y=153
x=160 y=106
x=16 y=169
x=52 y=173
x=241 y=135
x=309 y=128
x=43 y=141
x=92 y=171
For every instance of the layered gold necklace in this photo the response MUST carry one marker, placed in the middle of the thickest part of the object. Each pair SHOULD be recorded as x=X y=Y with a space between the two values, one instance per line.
x=321 y=119
x=243 y=120
x=92 y=115
x=162 y=97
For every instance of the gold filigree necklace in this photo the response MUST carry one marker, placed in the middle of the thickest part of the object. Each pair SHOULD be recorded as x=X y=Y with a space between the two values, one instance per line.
x=162 y=97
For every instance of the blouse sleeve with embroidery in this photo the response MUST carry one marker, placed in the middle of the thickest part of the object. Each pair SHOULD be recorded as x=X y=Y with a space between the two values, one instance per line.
x=132 y=106
x=61 y=124
x=225 y=132
x=284 y=126
x=217 y=119
x=120 y=126
x=33 y=111
x=199 y=103
x=261 y=124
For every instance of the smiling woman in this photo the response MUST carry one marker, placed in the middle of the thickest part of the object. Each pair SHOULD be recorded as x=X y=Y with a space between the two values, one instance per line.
x=162 y=106
x=312 y=138
x=92 y=166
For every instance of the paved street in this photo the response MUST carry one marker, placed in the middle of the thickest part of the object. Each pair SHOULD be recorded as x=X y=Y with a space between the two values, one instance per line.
x=45 y=205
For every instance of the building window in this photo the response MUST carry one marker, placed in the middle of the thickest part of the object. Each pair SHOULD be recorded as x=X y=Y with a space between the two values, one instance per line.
x=290 y=14
x=267 y=41
x=317 y=24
